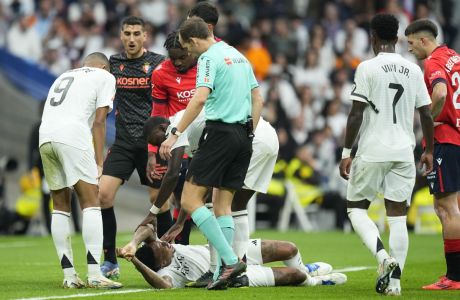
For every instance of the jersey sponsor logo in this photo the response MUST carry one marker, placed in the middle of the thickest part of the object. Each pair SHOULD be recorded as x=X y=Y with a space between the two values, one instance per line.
x=435 y=74
x=185 y=95
x=122 y=67
x=439 y=160
x=146 y=68
x=178 y=79
x=133 y=82
x=228 y=61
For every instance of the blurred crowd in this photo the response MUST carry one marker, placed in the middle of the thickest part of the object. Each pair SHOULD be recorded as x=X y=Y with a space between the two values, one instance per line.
x=304 y=53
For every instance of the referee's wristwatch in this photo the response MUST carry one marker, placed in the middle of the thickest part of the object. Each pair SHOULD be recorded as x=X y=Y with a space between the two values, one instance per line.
x=175 y=132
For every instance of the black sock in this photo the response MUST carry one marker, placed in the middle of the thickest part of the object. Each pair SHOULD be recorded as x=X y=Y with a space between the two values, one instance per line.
x=184 y=237
x=453 y=265
x=109 y=224
x=164 y=222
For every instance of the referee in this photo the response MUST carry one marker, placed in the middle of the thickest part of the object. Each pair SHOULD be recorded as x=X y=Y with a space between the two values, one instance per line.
x=228 y=90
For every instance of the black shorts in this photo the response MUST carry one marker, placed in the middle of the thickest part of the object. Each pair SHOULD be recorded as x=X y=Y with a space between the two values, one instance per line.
x=223 y=156
x=446 y=169
x=121 y=160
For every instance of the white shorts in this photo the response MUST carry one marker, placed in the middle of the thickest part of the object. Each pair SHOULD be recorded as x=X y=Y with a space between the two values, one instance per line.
x=260 y=276
x=264 y=154
x=395 y=180
x=65 y=165
x=254 y=256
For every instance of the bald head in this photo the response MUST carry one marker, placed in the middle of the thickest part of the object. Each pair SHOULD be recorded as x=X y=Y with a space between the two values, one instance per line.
x=97 y=60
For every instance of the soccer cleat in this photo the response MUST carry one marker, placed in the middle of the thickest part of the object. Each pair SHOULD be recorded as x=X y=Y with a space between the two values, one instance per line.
x=318 y=268
x=393 y=291
x=331 y=279
x=110 y=270
x=201 y=282
x=74 y=283
x=225 y=274
x=443 y=283
x=384 y=272
x=239 y=282
x=103 y=283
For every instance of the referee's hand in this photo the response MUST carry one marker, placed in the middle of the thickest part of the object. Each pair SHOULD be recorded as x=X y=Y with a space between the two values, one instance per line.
x=165 y=149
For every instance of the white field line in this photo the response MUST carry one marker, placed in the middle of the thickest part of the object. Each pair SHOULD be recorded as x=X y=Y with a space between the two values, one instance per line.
x=354 y=269
x=88 y=294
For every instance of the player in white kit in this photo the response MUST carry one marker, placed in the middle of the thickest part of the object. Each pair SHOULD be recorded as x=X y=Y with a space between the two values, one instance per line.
x=387 y=90
x=166 y=266
x=78 y=102
x=265 y=151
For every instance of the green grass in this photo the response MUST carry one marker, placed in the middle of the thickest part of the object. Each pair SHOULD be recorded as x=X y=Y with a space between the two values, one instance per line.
x=29 y=268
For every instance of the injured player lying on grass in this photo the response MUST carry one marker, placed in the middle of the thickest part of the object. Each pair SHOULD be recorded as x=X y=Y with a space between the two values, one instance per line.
x=166 y=266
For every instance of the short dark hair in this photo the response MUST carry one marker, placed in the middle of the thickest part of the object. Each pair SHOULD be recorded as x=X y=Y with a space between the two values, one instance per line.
x=132 y=20
x=172 y=41
x=205 y=10
x=99 y=57
x=385 y=27
x=422 y=25
x=147 y=257
x=194 y=28
x=151 y=124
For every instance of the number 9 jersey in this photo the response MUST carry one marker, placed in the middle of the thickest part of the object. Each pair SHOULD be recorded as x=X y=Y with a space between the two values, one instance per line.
x=71 y=105
x=443 y=65
x=393 y=87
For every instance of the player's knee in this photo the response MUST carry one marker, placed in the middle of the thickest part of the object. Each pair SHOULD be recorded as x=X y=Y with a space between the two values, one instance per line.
x=290 y=249
x=105 y=197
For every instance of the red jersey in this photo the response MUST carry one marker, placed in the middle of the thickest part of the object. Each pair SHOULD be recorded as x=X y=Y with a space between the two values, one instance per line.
x=171 y=90
x=443 y=65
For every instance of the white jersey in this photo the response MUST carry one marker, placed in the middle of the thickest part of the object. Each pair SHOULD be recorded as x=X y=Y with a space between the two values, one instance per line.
x=187 y=264
x=71 y=106
x=393 y=87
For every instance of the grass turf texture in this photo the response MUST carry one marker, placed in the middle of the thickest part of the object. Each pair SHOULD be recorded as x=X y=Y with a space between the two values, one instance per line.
x=29 y=268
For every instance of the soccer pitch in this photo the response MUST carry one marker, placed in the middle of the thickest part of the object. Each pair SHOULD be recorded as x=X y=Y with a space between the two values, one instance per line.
x=29 y=269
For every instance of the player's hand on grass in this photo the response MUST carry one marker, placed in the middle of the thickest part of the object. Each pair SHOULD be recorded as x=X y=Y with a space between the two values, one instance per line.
x=165 y=149
x=344 y=167
x=426 y=163
x=173 y=231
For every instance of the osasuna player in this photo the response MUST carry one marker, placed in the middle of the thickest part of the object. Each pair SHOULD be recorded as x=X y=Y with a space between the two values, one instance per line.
x=166 y=266
x=387 y=90
x=132 y=70
x=173 y=84
x=442 y=78
x=78 y=102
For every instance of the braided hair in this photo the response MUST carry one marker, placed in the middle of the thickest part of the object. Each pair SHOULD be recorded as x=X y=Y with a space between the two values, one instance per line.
x=172 y=41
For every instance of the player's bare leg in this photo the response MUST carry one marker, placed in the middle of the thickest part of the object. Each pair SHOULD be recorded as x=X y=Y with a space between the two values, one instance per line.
x=446 y=206
x=92 y=234
x=108 y=187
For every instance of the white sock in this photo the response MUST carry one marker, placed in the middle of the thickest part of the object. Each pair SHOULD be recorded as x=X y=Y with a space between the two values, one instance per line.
x=296 y=262
x=368 y=232
x=241 y=237
x=399 y=243
x=60 y=231
x=92 y=237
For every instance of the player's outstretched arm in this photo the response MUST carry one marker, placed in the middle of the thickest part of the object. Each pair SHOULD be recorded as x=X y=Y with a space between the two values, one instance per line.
x=151 y=276
x=428 y=133
x=143 y=233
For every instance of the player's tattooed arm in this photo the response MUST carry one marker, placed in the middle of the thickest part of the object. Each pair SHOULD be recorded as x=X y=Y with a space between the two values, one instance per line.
x=355 y=119
x=151 y=276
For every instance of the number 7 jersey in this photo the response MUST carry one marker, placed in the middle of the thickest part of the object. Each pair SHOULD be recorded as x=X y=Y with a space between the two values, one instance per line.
x=443 y=65
x=71 y=105
x=393 y=87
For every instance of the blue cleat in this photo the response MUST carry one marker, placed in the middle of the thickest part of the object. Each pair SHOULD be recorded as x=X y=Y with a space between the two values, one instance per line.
x=110 y=270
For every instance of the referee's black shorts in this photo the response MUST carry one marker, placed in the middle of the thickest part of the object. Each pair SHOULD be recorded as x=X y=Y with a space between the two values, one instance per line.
x=223 y=156
x=122 y=160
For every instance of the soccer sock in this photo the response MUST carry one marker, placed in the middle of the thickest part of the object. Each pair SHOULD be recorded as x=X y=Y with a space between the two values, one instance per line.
x=296 y=262
x=228 y=228
x=92 y=237
x=164 y=222
x=241 y=237
x=368 y=232
x=452 y=254
x=399 y=244
x=60 y=231
x=109 y=225
x=208 y=225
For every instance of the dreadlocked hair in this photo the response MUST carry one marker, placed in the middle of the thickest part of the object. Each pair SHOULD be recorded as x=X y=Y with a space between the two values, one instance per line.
x=172 y=41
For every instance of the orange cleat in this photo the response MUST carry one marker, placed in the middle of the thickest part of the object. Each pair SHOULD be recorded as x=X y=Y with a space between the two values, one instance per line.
x=444 y=283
